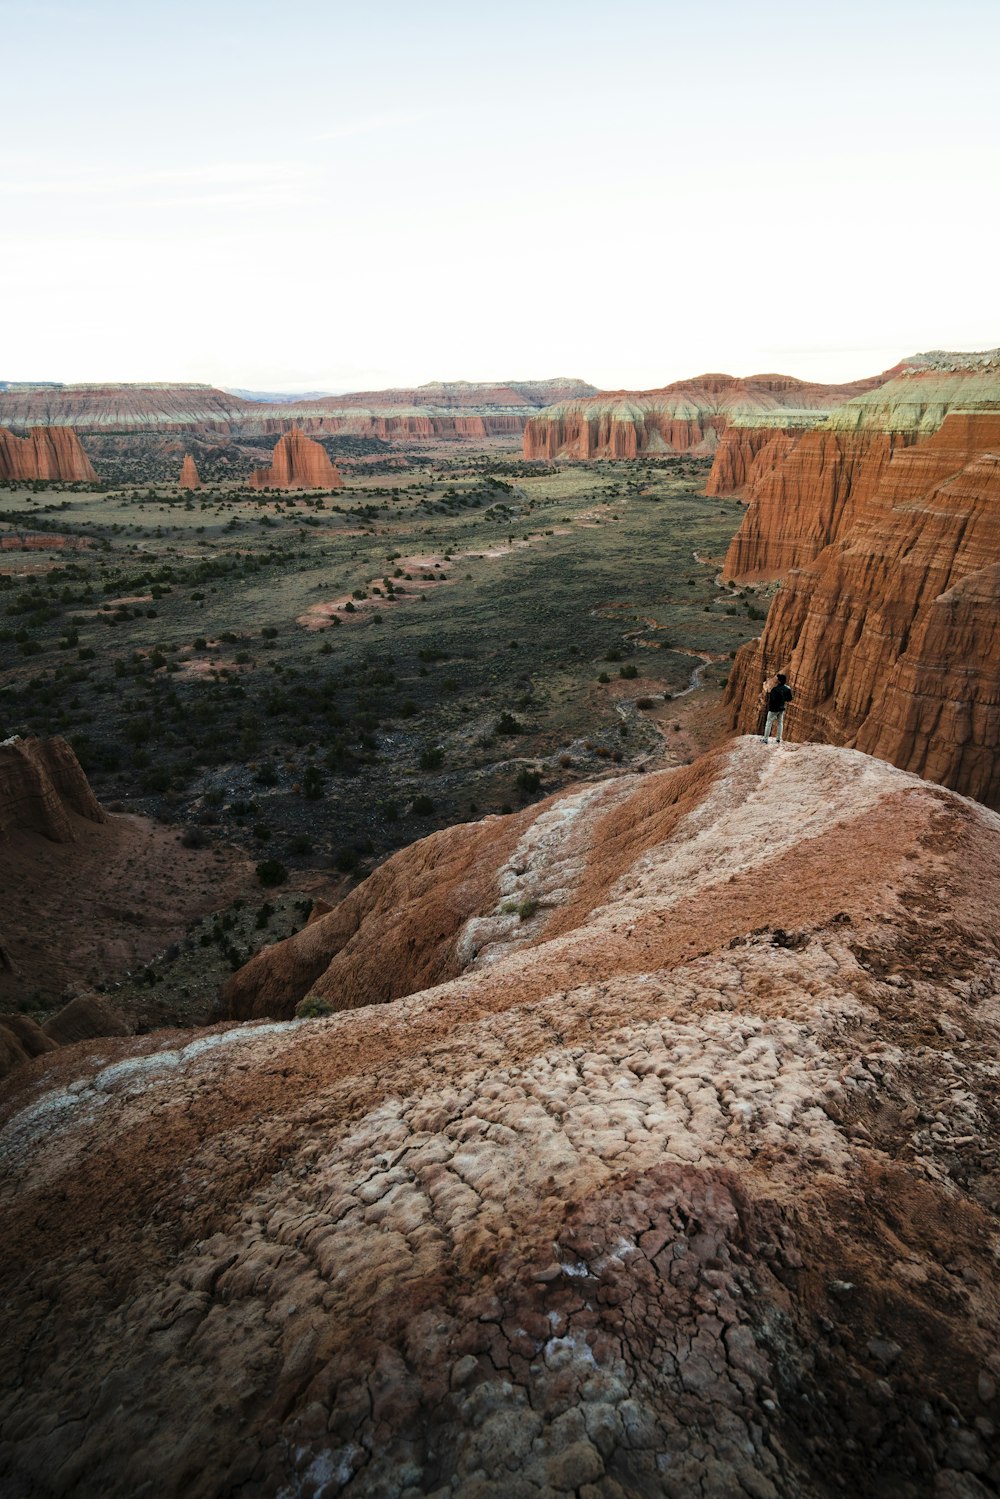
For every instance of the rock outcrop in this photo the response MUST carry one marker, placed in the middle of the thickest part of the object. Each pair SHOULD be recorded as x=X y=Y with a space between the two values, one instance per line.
x=189 y=478
x=805 y=484
x=885 y=524
x=45 y=453
x=689 y=416
x=298 y=463
x=41 y=784
x=685 y=1183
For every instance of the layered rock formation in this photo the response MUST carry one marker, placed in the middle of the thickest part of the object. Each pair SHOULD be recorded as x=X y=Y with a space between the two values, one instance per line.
x=889 y=541
x=688 y=416
x=45 y=453
x=41 y=785
x=806 y=483
x=298 y=463
x=437 y=411
x=189 y=474
x=685 y=1183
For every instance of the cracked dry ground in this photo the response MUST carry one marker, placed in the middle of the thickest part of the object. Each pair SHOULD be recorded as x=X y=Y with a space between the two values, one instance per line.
x=714 y=1216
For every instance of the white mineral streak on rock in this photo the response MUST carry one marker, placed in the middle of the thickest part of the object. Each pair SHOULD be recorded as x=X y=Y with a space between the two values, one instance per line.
x=543 y=870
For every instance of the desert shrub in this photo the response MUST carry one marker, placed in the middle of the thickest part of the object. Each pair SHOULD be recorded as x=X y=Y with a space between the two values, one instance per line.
x=194 y=838
x=264 y=914
x=313 y=1007
x=644 y=702
x=422 y=806
x=613 y=655
x=432 y=759
x=270 y=872
x=301 y=843
x=346 y=860
x=262 y=832
x=603 y=677
x=528 y=781
x=629 y=672
x=508 y=724
x=565 y=762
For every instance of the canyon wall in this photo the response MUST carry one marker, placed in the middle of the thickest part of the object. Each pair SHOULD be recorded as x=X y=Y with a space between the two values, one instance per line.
x=297 y=463
x=688 y=416
x=684 y=1184
x=441 y=410
x=885 y=526
x=45 y=453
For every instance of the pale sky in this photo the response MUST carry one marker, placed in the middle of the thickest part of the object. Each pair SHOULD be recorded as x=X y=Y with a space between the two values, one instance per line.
x=320 y=195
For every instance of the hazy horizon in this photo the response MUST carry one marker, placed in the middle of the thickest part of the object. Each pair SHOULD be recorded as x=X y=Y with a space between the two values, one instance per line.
x=300 y=198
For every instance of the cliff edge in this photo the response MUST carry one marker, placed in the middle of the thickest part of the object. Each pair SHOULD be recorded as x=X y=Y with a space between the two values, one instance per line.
x=684 y=1182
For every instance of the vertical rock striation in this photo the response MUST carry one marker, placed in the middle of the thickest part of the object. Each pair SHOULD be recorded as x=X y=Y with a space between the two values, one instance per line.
x=886 y=526
x=46 y=453
x=297 y=463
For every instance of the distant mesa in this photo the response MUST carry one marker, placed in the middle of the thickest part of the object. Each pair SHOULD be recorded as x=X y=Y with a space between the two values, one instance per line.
x=189 y=478
x=46 y=453
x=450 y=410
x=883 y=523
x=298 y=463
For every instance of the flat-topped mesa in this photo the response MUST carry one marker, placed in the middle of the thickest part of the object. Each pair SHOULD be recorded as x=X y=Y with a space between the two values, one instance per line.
x=45 y=453
x=689 y=416
x=42 y=786
x=807 y=484
x=297 y=463
x=891 y=633
x=189 y=478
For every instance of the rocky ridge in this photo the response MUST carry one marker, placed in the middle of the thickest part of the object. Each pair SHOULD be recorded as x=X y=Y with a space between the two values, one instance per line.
x=45 y=453
x=688 y=416
x=441 y=410
x=684 y=1181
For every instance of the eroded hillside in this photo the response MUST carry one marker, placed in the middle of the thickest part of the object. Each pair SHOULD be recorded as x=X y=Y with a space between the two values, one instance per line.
x=683 y=1180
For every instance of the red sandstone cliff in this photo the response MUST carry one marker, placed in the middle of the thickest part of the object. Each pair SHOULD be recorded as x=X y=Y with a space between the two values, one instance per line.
x=688 y=416
x=189 y=478
x=890 y=634
x=298 y=463
x=45 y=453
x=683 y=1185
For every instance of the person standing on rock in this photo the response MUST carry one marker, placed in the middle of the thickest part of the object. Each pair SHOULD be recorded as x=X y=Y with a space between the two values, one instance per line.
x=777 y=696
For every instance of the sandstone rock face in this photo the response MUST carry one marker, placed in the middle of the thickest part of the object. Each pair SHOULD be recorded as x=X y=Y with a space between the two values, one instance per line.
x=689 y=416
x=885 y=524
x=41 y=782
x=45 y=453
x=806 y=484
x=890 y=635
x=189 y=474
x=684 y=1184
x=298 y=463
x=21 y=1038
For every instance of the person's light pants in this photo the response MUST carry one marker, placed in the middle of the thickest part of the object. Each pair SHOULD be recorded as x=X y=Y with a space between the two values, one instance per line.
x=772 y=719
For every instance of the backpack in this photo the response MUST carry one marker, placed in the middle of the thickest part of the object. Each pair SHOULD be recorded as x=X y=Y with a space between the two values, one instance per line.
x=778 y=696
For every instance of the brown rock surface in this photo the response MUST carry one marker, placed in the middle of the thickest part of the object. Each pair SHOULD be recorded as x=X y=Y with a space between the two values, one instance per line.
x=690 y=1187
x=41 y=784
x=298 y=463
x=45 y=453
x=890 y=635
x=84 y=1018
x=189 y=474
x=21 y=1038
